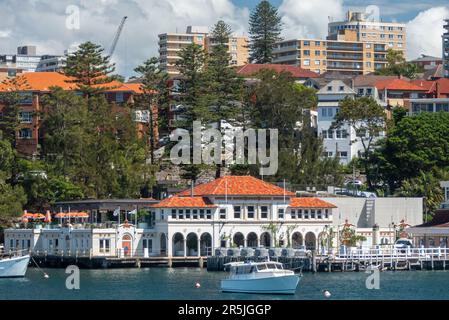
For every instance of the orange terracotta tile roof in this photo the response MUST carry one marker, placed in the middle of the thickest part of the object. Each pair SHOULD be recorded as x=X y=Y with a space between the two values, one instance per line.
x=185 y=202
x=297 y=72
x=398 y=84
x=310 y=203
x=237 y=186
x=43 y=81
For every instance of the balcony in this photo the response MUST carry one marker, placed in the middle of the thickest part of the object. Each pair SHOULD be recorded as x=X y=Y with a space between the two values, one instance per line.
x=344 y=57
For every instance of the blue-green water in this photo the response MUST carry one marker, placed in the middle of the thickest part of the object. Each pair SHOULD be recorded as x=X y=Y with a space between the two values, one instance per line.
x=179 y=284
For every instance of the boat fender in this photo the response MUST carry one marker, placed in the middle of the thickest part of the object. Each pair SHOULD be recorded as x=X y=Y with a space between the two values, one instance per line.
x=327 y=294
x=197 y=285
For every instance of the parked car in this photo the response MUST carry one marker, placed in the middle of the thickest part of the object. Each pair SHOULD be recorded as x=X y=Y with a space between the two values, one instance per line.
x=357 y=183
x=403 y=244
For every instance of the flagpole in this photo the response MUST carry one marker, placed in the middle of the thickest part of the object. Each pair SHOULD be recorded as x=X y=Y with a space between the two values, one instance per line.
x=119 y=215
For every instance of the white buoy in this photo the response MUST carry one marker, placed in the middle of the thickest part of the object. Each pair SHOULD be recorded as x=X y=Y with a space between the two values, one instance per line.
x=327 y=294
x=46 y=276
x=197 y=285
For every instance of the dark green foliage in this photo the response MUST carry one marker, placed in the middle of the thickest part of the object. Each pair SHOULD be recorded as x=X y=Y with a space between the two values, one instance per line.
x=264 y=28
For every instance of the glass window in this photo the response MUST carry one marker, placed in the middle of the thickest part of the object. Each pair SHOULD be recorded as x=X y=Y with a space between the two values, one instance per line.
x=306 y=62
x=250 y=212
x=281 y=213
x=326 y=213
x=312 y=214
x=25 y=133
x=300 y=214
x=119 y=97
x=188 y=214
x=201 y=213
x=293 y=214
x=223 y=213
x=181 y=214
x=264 y=212
x=173 y=213
x=208 y=214
x=319 y=214
x=306 y=214
x=237 y=212
x=195 y=213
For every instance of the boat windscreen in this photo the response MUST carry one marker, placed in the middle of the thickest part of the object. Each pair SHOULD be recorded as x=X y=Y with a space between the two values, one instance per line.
x=261 y=267
x=271 y=265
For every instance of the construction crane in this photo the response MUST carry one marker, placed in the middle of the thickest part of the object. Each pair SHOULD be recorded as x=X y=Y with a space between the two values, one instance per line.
x=117 y=36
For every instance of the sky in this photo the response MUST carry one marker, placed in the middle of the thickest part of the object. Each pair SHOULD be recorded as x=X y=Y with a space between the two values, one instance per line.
x=54 y=26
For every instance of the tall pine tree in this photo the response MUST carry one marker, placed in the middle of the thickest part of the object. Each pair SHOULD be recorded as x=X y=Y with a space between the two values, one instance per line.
x=90 y=69
x=265 y=27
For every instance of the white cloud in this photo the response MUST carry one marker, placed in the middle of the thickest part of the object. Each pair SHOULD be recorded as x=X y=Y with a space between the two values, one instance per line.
x=5 y=33
x=43 y=23
x=309 y=19
x=424 y=32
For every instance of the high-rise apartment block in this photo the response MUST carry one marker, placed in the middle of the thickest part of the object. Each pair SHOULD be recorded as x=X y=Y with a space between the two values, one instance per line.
x=353 y=57
x=359 y=26
x=171 y=44
x=446 y=49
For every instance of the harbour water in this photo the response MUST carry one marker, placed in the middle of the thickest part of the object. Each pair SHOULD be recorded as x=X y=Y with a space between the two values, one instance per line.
x=179 y=284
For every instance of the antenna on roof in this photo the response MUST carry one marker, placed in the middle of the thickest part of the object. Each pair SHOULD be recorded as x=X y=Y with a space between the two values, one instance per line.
x=191 y=188
x=284 y=190
x=226 y=190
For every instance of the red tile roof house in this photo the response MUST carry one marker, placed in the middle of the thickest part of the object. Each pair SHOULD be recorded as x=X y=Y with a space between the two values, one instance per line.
x=32 y=86
x=235 y=211
x=248 y=71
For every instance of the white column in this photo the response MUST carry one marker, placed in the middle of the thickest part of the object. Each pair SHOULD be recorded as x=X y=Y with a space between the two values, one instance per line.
x=199 y=247
x=185 y=247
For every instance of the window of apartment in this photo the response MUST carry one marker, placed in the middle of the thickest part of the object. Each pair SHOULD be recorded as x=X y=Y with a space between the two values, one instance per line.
x=26 y=117
x=194 y=213
x=341 y=134
x=119 y=97
x=326 y=213
x=317 y=43
x=390 y=28
x=26 y=98
x=223 y=213
x=312 y=214
x=391 y=44
x=317 y=52
x=342 y=154
x=391 y=36
x=264 y=212
x=363 y=34
x=299 y=212
x=293 y=214
x=180 y=214
x=361 y=133
x=400 y=36
x=173 y=214
x=201 y=213
x=306 y=52
x=361 y=91
x=25 y=133
x=233 y=48
x=368 y=64
x=382 y=36
x=237 y=212
x=188 y=214
x=306 y=43
x=11 y=243
x=368 y=46
x=317 y=62
x=399 y=44
x=281 y=213
x=250 y=212
x=208 y=214
x=306 y=62
x=341 y=88
x=368 y=54
x=328 y=154
x=319 y=214
x=306 y=214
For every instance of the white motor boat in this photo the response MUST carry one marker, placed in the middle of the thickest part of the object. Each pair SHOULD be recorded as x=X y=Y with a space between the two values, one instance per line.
x=260 y=277
x=14 y=267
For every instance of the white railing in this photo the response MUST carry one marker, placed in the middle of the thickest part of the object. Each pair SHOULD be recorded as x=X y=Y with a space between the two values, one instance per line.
x=395 y=254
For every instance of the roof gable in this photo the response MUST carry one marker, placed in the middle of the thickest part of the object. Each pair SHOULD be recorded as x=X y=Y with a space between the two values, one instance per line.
x=185 y=202
x=237 y=186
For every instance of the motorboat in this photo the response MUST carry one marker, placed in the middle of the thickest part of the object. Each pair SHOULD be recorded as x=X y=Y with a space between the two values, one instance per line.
x=260 y=277
x=14 y=266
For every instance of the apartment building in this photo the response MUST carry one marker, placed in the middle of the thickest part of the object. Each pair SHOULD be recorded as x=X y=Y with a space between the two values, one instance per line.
x=171 y=44
x=33 y=86
x=446 y=49
x=320 y=56
x=358 y=26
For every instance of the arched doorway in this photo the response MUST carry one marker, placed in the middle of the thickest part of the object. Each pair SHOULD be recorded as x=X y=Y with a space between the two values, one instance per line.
x=310 y=241
x=265 y=240
x=205 y=244
x=251 y=240
x=163 y=245
x=297 y=240
x=178 y=245
x=127 y=245
x=192 y=245
x=238 y=240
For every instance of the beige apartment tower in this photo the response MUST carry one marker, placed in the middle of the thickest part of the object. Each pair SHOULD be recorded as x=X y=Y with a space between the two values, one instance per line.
x=171 y=44
x=360 y=26
x=352 y=57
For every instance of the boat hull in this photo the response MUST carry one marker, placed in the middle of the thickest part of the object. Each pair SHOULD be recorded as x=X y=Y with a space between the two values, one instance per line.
x=14 y=267
x=271 y=285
